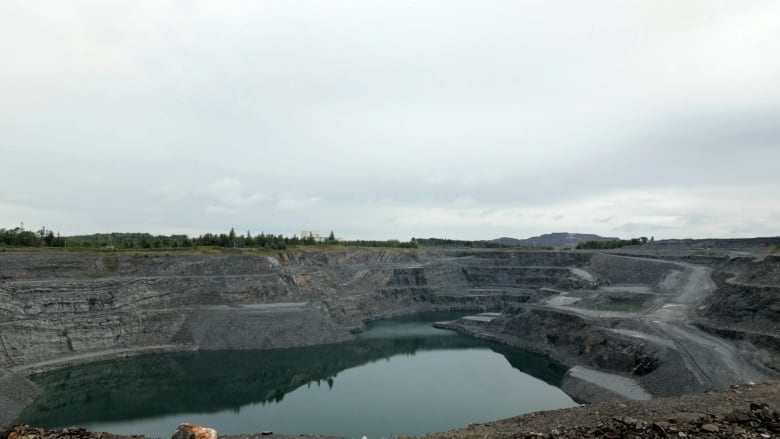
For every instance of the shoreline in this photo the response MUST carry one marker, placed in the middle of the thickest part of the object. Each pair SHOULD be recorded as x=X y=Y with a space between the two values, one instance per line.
x=747 y=410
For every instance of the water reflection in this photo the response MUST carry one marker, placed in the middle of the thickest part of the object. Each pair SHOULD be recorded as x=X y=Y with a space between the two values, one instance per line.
x=208 y=382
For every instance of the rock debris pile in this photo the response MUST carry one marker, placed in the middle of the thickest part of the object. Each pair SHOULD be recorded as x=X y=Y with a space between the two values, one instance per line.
x=27 y=432
x=758 y=422
x=742 y=411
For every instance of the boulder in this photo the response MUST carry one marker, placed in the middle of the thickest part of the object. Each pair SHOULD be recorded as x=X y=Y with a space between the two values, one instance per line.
x=192 y=431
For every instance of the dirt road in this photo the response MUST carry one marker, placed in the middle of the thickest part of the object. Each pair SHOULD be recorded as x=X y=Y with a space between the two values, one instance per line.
x=714 y=362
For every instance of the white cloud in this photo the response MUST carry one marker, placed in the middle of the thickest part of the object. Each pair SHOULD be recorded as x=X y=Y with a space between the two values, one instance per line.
x=290 y=202
x=230 y=197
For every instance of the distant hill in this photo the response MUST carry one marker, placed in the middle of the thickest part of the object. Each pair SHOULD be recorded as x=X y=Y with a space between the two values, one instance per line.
x=560 y=239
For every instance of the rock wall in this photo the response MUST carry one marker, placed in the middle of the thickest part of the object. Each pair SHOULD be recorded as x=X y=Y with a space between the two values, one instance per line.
x=747 y=295
x=745 y=307
x=259 y=327
x=756 y=306
x=625 y=270
x=573 y=340
x=58 y=305
x=16 y=392
x=61 y=307
x=61 y=304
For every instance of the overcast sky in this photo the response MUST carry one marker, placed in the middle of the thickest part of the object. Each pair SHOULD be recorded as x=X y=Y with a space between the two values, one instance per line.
x=392 y=119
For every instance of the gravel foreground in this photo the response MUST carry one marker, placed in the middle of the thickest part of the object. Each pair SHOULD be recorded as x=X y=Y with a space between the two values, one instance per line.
x=742 y=411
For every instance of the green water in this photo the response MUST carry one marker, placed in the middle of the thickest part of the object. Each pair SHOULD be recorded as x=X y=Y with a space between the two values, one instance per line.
x=401 y=376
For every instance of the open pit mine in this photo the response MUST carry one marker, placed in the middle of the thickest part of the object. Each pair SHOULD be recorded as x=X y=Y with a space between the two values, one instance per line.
x=663 y=319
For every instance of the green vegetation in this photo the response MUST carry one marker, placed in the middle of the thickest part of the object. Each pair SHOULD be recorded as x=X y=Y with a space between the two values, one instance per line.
x=129 y=241
x=43 y=239
x=280 y=242
x=604 y=245
x=20 y=238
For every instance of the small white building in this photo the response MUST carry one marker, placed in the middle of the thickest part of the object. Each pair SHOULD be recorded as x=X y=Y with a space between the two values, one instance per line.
x=314 y=235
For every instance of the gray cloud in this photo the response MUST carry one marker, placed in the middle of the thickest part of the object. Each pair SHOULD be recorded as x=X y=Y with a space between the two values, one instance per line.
x=391 y=119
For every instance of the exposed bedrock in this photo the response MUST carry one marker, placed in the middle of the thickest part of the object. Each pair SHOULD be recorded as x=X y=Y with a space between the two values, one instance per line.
x=747 y=294
x=16 y=392
x=657 y=345
x=745 y=306
x=624 y=348
x=629 y=270
x=263 y=326
x=60 y=305
x=629 y=316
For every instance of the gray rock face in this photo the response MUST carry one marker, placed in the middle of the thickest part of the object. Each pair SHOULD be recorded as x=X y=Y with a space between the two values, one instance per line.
x=750 y=298
x=16 y=392
x=746 y=306
x=652 y=339
x=571 y=339
x=58 y=307
x=623 y=270
x=264 y=326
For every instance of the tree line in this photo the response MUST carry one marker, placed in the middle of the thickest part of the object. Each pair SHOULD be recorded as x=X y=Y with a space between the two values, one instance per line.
x=606 y=245
x=18 y=237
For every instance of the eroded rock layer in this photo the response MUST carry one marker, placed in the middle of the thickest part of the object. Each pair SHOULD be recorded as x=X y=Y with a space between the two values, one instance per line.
x=64 y=305
x=671 y=326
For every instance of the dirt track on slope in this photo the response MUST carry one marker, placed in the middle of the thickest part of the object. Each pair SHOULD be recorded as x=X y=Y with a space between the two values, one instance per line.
x=713 y=361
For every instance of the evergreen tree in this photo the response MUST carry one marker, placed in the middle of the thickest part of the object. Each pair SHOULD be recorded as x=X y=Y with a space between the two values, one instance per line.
x=49 y=239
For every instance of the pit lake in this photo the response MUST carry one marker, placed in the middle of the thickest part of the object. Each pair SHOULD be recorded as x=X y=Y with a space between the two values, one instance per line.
x=401 y=376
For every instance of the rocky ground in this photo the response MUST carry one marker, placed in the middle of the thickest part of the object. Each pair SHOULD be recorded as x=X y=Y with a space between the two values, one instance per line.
x=705 y=326
x=742 y=411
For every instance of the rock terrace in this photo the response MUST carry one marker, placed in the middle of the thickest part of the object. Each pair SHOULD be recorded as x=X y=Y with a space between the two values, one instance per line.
x=662 y=317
